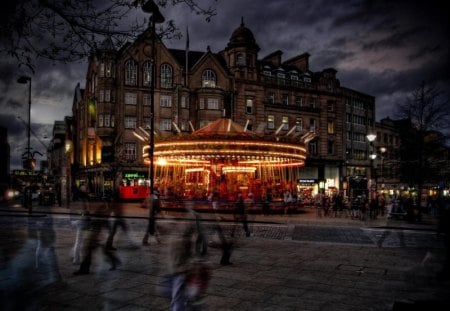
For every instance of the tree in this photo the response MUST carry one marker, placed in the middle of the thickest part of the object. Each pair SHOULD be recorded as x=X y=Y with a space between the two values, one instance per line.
x=68 y=30
x=426 y=117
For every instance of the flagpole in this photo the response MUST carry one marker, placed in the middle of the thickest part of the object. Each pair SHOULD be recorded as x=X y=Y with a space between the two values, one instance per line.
x=187 y=57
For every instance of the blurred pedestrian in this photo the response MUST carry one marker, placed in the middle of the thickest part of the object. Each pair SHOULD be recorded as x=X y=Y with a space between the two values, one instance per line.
x=153 y=204
x=98 y=223
x=241 y=213
x=188 y=274
x=119 y=221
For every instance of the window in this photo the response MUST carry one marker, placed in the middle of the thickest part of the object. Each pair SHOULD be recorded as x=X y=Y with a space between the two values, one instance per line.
x=270 y=121
x=184 y=102
x=201 y=103
x=330 y=127
x=101 y=96
x=285 y=122
x=249 y=106
x=102 y=70
x=146 y=99
x=110 y=69
x=208 y=78
x=285 y=99
x=100 y=120
x=165 y=101
x=298 y=125
x=312 y=146
x=267 y=72
x=312 y=102
x=184 y=125
x=165 y=125
x=213 y=103
x=312 y=125
x=166 y=76
x=147 y=73
x=130 y=72
x=130 y=122
x=107 y=96
x=271 y=97
x=107 y=121
x=112 y=121
x=129 y=151
x=299 y=101
x=330 y=147
x=130 y=98
x=146 y=122
x=330 y=106
x=240 y=60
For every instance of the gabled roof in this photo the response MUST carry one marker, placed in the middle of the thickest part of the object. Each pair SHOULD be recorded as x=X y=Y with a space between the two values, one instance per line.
x=180 y=56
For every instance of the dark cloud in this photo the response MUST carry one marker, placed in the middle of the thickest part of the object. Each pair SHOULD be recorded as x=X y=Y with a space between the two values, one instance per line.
x=383 y=48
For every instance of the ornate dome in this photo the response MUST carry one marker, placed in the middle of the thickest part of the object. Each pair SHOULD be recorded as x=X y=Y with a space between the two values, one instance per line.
x=243 y=37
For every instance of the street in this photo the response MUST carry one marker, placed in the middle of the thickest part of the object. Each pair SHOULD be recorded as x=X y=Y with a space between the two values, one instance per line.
x=290 y=262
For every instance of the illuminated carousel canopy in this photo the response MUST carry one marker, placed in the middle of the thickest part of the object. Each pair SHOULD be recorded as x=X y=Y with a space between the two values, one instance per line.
x=226 y=141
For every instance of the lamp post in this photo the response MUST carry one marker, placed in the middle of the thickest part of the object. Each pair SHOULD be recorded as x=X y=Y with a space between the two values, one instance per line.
x=373 y=184
x=152 y=8
x=29 y=156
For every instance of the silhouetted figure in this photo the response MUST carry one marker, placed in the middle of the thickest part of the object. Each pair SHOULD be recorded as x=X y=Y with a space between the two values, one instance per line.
x=119 y=221
x=154 y=206
x=241 y=213
x=98 y=223
x=29 y=265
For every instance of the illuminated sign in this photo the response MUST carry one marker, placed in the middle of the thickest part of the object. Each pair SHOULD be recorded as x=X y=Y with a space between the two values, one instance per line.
x=307 y=180
x=133 y=175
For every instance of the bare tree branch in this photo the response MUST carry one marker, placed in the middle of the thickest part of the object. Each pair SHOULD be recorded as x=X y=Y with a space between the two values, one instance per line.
x=68 y=30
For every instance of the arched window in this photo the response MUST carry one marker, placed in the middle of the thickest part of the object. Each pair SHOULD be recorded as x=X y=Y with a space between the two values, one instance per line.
x=208 y=78
x=130 y=72
x=147 y=73
x=166 y=76
x=240 y=60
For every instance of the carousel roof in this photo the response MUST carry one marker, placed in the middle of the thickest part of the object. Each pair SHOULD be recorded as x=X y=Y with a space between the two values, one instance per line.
x=223 y=126
x=225 y=139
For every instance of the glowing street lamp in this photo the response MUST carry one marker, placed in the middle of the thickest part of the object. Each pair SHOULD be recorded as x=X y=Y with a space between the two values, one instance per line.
x=371 y=138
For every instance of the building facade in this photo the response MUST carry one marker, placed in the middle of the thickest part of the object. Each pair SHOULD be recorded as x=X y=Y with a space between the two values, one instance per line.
x=266 y=95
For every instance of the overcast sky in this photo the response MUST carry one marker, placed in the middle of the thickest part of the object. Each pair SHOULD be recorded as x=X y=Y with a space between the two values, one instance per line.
x=382 y=48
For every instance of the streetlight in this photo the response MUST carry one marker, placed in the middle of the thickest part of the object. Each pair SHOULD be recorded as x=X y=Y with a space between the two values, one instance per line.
x=29 y=156
x=373 y=184
x=152 y=8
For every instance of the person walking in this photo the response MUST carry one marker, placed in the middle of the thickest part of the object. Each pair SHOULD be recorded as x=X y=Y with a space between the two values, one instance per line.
x=241 y=212
x=153 y=204
x=98 y=223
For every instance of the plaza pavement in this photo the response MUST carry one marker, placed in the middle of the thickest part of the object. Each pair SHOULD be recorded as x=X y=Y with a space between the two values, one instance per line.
x=290 y=262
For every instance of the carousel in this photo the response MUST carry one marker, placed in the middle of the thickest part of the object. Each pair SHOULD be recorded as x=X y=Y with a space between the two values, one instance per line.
x=225 y=159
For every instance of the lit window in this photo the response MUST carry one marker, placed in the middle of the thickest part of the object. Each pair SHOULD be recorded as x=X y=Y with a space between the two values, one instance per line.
x=330 y=127
x=208 y=78
x=249 y=106
x=285 y=122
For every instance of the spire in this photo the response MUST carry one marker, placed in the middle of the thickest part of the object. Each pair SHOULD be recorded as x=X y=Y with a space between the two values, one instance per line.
x=242 y=21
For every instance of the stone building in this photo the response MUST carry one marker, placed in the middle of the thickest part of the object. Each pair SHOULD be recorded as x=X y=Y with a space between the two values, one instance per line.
x=267 y=95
